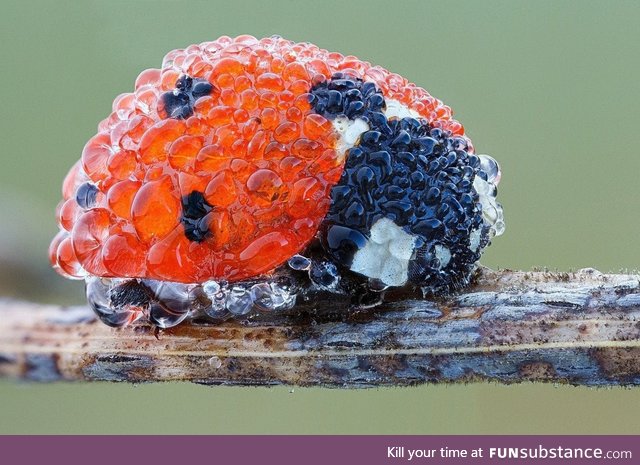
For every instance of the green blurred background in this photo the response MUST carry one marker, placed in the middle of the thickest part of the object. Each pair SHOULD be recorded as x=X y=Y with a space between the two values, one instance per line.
x=550 y=89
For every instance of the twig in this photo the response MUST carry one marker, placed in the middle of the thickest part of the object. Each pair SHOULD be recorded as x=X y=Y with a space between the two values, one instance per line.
x=577 y=328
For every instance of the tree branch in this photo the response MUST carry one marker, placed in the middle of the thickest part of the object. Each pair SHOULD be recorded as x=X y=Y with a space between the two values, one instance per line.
x=508 y=326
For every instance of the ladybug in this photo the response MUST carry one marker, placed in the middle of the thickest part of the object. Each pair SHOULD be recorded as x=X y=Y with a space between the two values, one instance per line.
x=243 y=160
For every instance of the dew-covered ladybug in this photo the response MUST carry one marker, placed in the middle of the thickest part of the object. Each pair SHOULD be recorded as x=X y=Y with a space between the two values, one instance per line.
x=244 y=164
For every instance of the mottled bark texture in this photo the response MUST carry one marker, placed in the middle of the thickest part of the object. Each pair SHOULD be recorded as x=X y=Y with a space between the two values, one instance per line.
x=508 y=326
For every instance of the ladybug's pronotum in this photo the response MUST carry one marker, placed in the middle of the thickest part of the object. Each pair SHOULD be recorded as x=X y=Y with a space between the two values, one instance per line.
x=243 y=160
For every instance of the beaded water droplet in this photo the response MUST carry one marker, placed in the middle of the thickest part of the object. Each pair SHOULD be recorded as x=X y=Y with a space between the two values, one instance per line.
x=98 y=292
x=239 y=301
x=172 y=302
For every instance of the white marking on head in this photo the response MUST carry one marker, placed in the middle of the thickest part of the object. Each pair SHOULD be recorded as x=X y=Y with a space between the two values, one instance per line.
x=386 y=255
x=349 y=131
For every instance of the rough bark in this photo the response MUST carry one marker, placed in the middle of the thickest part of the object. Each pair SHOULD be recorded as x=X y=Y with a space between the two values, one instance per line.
x=508 y=326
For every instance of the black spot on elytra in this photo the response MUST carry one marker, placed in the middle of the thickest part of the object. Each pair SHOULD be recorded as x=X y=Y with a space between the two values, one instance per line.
x=195 y=209
x=179 y=102
x=86 y=195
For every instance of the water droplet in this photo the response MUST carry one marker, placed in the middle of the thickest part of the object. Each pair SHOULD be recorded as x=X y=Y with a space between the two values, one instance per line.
x=215 y=362
x=164 y=317
x=98 y=295
x=299 y=263
x=217 y=297
x=174 y=302
x=239 y=301
x=271 y=296
x=491 y=168
x=325 y=275
x=211 y=288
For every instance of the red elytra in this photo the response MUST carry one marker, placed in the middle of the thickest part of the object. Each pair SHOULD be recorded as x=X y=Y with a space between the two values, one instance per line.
x=253 y=147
